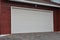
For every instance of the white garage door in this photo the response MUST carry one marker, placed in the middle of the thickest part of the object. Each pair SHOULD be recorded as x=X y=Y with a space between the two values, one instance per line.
x=26 y=20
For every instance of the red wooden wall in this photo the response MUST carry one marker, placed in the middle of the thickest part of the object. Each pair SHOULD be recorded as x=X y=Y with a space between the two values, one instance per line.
x=5 y=18
x=5 y=15
x=57 y=19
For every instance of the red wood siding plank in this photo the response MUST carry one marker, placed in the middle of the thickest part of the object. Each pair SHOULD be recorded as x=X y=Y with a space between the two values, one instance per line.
x=5 y=18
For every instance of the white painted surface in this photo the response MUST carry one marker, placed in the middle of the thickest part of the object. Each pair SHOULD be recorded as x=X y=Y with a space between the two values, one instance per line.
x=4 y=35
x=56 y=1
x=39 y=3
x=26 y=20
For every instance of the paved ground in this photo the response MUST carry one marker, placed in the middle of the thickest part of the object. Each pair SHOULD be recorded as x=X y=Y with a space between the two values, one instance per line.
x=33 y=36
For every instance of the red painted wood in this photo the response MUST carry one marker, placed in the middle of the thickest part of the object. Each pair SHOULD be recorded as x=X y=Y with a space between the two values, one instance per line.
x=58 y=20
x=5 y=15
x=5 y=18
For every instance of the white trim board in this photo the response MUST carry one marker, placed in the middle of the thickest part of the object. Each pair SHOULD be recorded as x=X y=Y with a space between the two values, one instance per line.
x=38 y=3
x=33 y=9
